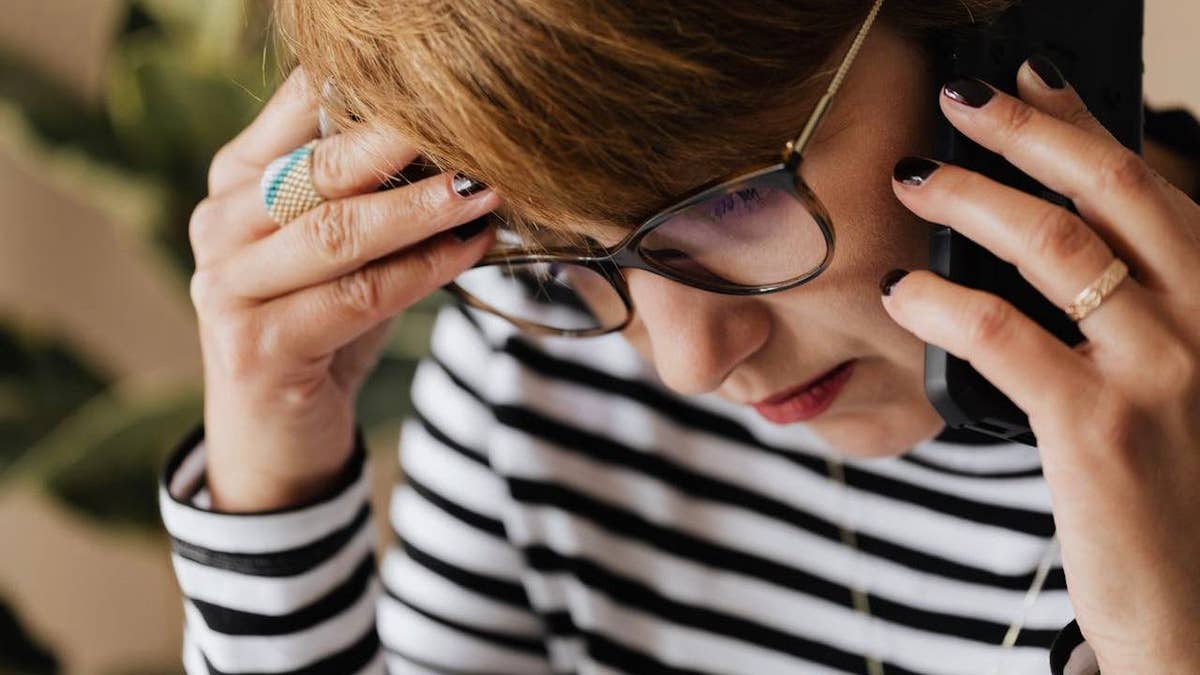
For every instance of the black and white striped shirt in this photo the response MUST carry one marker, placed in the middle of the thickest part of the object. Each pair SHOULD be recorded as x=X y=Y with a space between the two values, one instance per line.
x=563 y=512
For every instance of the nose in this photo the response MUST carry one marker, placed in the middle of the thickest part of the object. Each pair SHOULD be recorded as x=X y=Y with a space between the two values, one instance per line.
x=695 y=338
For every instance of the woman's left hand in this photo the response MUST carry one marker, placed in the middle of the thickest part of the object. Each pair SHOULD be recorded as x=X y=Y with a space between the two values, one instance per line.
x=1118 y=416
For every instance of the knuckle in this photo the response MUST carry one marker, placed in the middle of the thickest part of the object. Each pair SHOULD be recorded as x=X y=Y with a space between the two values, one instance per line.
x=329 y=232
x=430 y=261
x=207 y=214
x=328 y=165
x=360 y=292
x=1057 y=235
x=1180 y=367
x=202 y=289
x=1080 y=116
x=1017 y=118
x=421 y=201
x=1118 y=427
x=1122 y=171
x=222 y=162
x=988 y=322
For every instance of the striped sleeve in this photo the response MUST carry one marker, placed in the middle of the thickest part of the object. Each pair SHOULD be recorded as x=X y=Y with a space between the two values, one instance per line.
x=286 y=591
x=454 y=600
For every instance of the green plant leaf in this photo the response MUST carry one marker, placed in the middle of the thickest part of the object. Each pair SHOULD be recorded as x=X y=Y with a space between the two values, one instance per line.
x=55 y=111
x=103 y=461
x=19 y=653
x=184 y=78
x=41 y=383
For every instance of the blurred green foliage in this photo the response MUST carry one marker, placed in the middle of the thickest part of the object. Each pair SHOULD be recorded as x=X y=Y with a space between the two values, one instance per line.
x=183 y=78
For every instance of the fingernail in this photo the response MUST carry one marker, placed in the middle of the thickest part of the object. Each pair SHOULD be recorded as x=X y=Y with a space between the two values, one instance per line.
x=470 y=229
x=466 y=186
x=1049 y=73
x=914 y=170
x=890 y=279
x=969 y=91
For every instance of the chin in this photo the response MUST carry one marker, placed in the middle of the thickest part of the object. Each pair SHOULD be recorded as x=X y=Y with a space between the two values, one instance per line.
x=884 y=430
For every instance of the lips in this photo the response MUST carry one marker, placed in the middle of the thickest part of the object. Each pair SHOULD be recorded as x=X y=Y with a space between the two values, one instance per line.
x=806 y=401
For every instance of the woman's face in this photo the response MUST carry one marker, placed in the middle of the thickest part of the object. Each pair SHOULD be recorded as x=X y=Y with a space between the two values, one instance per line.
x=749 y=349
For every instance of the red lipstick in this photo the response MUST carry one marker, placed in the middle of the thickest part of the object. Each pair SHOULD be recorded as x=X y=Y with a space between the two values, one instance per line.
x=808 y=400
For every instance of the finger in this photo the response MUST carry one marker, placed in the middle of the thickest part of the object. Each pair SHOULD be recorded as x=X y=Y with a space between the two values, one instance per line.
x=358 y=161
x=287 y=121
x=342 y=165
x=1052 y=248
x=1112 y=187
x=1042 y=85
x=342 y=235
x=320 y=319
x=1037 y=371
x=223 y=223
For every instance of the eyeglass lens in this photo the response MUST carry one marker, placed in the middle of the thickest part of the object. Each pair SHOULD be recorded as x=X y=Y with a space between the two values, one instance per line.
x=555 y=295
x=756 y=233
x=752 y=235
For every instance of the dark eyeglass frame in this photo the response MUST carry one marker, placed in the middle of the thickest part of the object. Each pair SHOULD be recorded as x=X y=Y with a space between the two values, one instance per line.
x=626 y=254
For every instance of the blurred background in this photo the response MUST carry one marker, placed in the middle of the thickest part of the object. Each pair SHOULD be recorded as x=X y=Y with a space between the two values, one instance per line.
x=110 y=111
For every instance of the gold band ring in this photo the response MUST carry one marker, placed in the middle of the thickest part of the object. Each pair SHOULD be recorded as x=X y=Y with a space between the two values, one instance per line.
x=1091 y=297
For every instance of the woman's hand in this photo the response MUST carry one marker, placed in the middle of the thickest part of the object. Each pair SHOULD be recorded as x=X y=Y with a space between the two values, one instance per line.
x=1117 y=417
x=293 y=318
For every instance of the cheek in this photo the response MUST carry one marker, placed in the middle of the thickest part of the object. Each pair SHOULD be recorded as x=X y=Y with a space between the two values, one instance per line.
x=840 y=313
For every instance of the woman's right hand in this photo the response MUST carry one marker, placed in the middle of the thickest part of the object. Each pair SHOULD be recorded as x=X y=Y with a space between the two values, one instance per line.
x=293 y=318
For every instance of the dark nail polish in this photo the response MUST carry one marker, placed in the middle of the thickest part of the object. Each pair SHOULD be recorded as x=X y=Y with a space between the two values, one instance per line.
x=914 y=170
x=890 y=279
x=1046 y=70
x=969 y=91
x=466 y=186
x=470 y=229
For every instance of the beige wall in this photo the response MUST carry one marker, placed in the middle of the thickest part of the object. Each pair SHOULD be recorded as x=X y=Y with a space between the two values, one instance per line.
x=1172 y=53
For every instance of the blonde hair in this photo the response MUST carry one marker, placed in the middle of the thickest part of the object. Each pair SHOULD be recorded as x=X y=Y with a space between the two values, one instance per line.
x=597 y=111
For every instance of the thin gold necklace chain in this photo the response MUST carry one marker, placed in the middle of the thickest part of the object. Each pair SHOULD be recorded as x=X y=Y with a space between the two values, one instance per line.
x=863 y=605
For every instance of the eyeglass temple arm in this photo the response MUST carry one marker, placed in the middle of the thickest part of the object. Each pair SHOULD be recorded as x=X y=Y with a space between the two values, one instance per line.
x=795 y=148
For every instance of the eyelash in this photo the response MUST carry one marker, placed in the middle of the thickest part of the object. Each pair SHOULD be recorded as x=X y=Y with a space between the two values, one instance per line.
x=749 y=199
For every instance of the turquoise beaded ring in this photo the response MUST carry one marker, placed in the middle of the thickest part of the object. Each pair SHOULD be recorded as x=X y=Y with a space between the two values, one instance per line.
x=287 y=186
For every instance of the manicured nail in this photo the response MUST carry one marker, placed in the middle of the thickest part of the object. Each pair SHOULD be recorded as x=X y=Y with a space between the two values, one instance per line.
x=914 y=170
x=1049 y=73
x=466 y=186
x=890 y=279
x=470 y=229
x=969 y=91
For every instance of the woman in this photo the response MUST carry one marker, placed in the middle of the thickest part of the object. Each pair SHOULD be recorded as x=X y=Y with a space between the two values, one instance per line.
x=673 y=496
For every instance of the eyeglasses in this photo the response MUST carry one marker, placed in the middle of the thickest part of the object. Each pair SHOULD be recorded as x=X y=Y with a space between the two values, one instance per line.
x=760 y=232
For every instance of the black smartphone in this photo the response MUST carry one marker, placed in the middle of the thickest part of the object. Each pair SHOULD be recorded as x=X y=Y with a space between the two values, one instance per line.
x=1097 y=44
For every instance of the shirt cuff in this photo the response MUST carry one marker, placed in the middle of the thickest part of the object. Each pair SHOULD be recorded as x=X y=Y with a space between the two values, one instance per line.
x=275 y=590
x=1070 y=654
x=332 y=530
x=188 y=520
